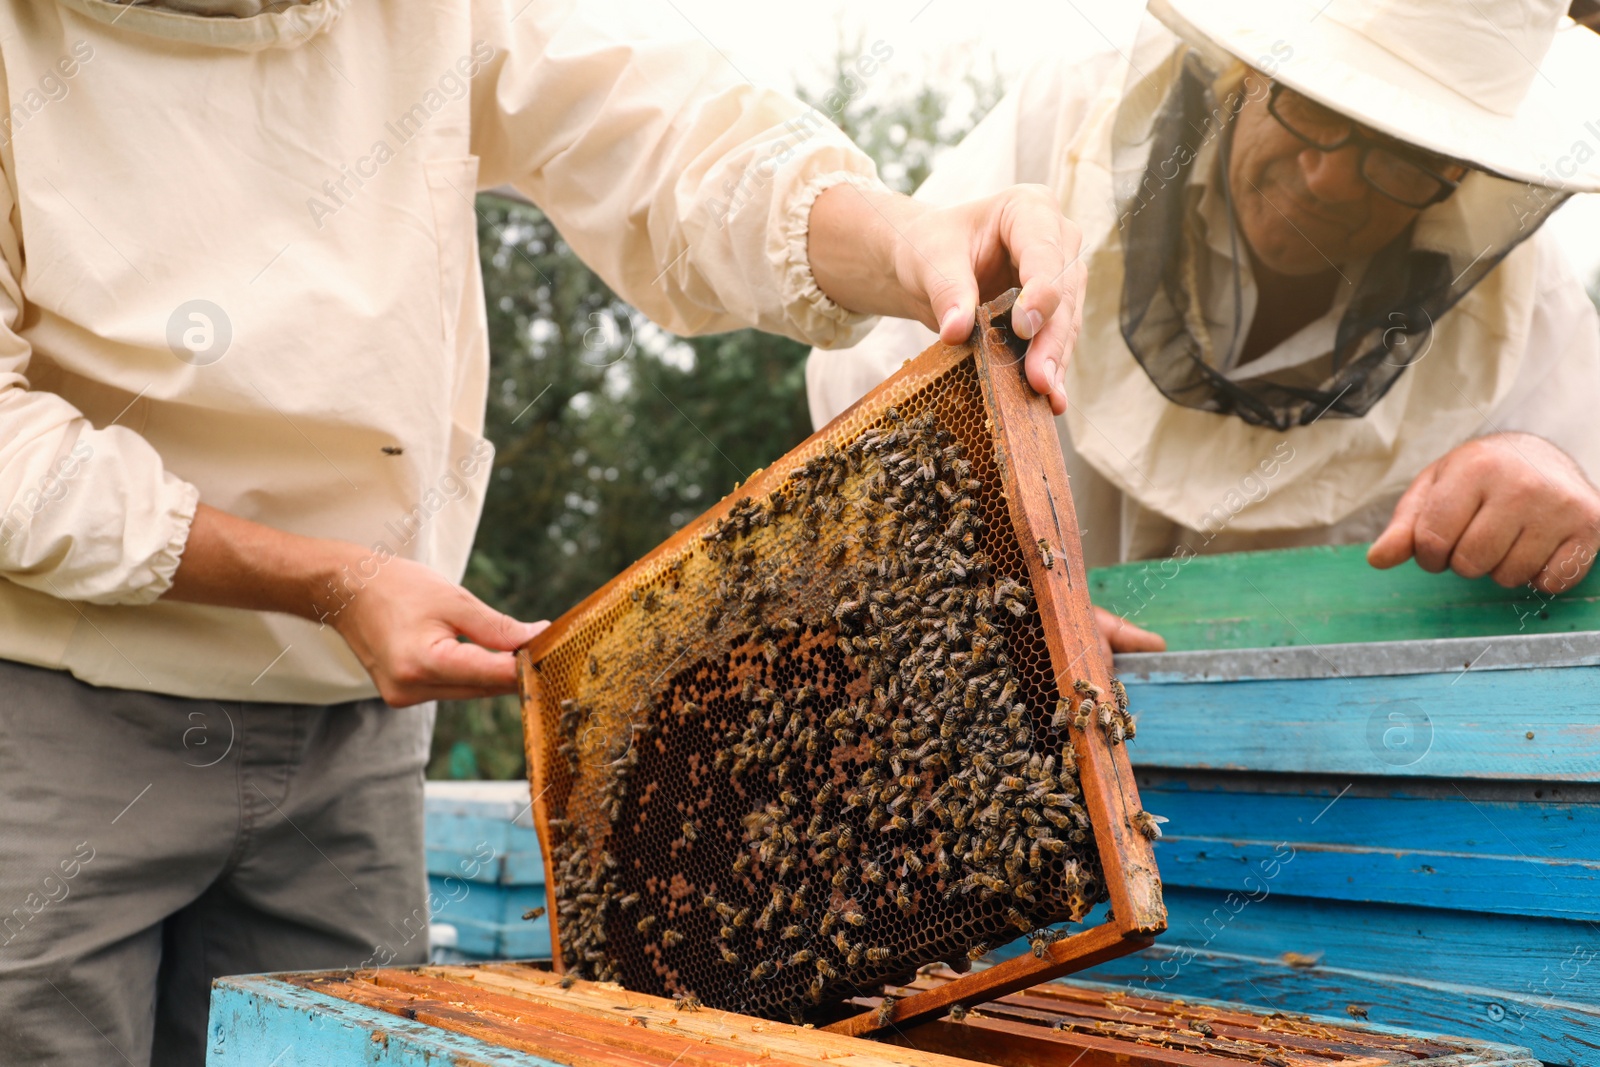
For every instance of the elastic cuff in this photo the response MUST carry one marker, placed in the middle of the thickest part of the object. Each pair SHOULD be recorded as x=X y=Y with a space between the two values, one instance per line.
x=162 y=567
x=801 y=294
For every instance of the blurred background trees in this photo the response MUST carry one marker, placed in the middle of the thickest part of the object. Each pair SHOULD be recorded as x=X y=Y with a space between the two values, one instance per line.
x=611 y=433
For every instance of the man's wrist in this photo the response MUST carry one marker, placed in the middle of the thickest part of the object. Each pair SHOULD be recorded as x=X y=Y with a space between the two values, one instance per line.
x=855 y=238
x=233 y=562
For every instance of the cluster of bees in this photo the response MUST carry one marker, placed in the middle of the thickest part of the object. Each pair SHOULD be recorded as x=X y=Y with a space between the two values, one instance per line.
x=874 y=776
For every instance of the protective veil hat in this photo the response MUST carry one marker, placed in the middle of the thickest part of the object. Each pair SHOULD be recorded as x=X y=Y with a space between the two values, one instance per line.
x=1507 y=86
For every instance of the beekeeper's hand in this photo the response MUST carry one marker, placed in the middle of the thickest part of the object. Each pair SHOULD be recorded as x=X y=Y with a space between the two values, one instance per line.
x=886 y=254
x=419 y=635
x=1510 y=505
x=1119 y=635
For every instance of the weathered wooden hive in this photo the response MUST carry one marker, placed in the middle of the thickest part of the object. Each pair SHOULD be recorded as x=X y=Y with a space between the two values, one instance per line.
x=851 y=721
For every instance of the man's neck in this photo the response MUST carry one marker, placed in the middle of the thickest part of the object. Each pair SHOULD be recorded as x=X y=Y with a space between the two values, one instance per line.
x=1285 y=303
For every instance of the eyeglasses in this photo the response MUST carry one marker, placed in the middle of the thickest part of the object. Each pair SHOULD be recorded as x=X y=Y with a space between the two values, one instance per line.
x=1401 y=173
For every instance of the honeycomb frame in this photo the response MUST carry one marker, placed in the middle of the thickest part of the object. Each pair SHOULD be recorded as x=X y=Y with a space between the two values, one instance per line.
x=607 y=709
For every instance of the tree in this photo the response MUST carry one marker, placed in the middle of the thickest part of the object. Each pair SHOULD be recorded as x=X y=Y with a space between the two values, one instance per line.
x=611 y=433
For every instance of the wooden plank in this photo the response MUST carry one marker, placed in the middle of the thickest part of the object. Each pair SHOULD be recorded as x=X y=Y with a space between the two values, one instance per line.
x=1548 y=822
x=1558 y=1032
x=1468 y=724
x=548 y=1034
x=260 y=1021
x=1532 y=859
x=1009 y=1044
x=1325 y=595
x=1559 y=959
x=1048 y=1023
x=616 y=1004
x=1081 y=950
x=1505 y=885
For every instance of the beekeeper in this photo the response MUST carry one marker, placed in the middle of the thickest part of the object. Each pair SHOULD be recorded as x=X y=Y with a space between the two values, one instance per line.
x=1319 y=307
x=243 y=359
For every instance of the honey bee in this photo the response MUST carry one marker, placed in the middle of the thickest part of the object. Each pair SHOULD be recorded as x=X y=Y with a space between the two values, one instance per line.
x=689 y=833
x=886 y=1011
x=805 y=955
x=628 y=901
x=728 y=955
x=1149 y=825
x=686 y=1002
x=791 y=932
x=644 y=924
x=670 y=938
x=958 y=1012
x=763 y=970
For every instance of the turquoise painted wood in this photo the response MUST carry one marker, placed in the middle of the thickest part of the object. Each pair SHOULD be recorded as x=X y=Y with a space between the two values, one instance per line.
x=1555 y=1030
x=483 y=832
x=1523 y=981
x=484 y=871
x=1430 y=840
x=488 y=918
x=1469 y=724
x=258 y=1021
x=1325 y=595
x=1449 y=851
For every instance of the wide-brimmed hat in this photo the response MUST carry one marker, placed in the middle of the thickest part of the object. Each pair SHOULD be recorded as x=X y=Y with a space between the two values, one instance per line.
x=1509 y=86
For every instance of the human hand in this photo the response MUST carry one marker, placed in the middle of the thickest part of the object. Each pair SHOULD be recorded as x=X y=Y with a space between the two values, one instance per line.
x=403 y=625
x=1510 y=505
x=1119 y=635
x=881 y=253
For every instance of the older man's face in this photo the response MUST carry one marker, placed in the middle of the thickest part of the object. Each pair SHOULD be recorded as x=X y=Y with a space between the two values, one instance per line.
x=1301 y=209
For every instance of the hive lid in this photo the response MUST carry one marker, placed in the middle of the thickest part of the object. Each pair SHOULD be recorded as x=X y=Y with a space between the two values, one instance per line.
x=834 y=729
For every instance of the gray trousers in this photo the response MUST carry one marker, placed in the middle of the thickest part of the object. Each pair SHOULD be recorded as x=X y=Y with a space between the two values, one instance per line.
x=149 y=844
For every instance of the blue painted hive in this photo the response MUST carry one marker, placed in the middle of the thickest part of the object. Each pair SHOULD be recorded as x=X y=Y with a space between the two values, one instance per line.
x=1383 y=791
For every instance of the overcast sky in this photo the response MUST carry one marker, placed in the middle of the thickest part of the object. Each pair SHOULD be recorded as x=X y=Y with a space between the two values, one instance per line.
x=941 y=39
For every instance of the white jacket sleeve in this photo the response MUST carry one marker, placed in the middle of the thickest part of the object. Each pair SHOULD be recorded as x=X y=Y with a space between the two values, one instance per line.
x=1015 y=143
x=1557 y=385
x=85 y=514
x=684 y=186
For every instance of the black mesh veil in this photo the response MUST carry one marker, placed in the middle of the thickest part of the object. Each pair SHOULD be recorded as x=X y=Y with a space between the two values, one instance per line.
x=1401 y=292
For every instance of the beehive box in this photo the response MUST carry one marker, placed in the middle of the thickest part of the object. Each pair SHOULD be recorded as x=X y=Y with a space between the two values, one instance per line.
x=850 y=721
x=485 y=872
x=515 y=1015
x=1384 y=792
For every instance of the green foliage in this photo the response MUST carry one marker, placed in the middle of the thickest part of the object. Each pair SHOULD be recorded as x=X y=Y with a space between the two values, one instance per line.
x=610 y=434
